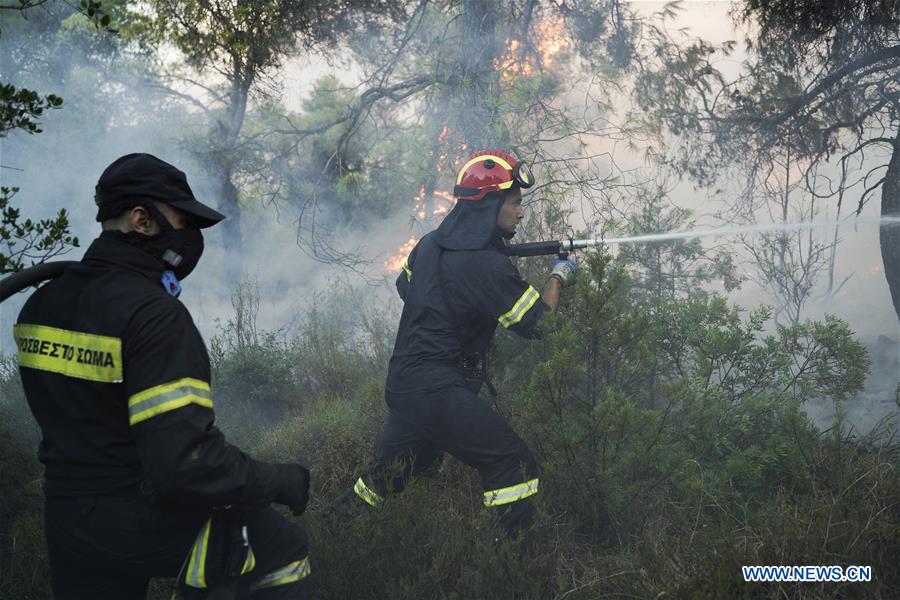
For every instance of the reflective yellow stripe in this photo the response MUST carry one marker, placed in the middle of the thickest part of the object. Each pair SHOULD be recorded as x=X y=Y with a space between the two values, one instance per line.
x=478 y=159
x=408 y=271
x=196 y=571
x=289 y=573
x=165 y=388
x=167 y=397
x=511 y=494
x=249 y=562
x=369 y=495
x=69 y=353
x=522 y=306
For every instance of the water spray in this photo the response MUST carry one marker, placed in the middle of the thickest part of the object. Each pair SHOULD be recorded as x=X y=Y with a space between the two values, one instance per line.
x=563 y=247
x=38 y=273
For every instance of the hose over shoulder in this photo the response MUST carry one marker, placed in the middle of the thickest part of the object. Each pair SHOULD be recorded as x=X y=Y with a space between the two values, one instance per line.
x=32 y=276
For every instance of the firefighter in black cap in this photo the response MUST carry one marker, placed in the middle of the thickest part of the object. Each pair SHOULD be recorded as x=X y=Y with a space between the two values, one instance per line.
x=139 y=482
x=457 y=286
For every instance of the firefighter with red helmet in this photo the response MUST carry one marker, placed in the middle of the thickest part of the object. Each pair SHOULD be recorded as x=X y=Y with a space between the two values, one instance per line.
x=139 y=482
x=457 y=286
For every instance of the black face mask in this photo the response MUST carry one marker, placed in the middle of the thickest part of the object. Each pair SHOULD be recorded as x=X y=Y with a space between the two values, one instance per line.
x=179 y=249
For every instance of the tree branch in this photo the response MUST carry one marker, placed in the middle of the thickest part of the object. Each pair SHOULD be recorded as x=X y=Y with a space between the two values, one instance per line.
x=892 y=52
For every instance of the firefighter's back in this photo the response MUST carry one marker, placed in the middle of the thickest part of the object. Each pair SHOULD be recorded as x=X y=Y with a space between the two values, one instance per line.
x=72 y=336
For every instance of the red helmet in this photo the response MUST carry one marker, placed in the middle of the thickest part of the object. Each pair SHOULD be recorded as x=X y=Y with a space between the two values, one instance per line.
x=489 y=171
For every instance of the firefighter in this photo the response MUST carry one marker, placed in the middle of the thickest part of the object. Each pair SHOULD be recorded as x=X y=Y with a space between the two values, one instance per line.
x=138 y=480
x=457 y=286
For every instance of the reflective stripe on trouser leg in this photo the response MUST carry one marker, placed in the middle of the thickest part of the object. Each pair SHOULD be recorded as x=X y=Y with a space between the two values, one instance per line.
x=369 y=496
x=195 y=576
x=290 y=573
x=511 y=494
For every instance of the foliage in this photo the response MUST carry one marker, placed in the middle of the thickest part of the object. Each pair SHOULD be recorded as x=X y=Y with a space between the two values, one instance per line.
x=672 y=438
x=353 y=180
x=819 y=92
x=813 y=79
x=663 y=270
x=241 y=45
x=24 y=242
x=28 y=241
x=23 y=556
x=20 y=108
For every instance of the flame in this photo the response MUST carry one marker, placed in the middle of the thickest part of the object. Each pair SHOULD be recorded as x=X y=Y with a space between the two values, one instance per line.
x=443 y=209
x=439 y=198
x=443 y=202
x=395 y=263
x=549 y=41
x=419 y=205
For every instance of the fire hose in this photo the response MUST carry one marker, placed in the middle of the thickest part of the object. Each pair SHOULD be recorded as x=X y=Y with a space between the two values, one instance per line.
x=32 y=276
x=559 y=247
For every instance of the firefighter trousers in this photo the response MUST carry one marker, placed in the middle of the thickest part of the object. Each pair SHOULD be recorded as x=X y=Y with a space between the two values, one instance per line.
x=421 y=426
x=110 y=546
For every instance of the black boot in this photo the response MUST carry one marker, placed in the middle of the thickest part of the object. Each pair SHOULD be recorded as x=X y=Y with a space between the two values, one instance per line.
x=346 y=507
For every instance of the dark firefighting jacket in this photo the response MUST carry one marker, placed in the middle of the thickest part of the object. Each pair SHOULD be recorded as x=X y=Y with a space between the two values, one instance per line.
x=439 y=327
x=118 y=379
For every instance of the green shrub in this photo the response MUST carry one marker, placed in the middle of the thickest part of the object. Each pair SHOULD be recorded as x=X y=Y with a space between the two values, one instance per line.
x=672 y=438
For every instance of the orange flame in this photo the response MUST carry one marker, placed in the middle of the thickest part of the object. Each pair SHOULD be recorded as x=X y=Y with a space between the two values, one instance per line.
x=419 y=207
x=549 y=41
x=443 y=202
x=443 y=209
x=395 y=263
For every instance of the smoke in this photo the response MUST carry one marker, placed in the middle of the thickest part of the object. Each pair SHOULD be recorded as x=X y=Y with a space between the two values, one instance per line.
x=874 y=408
x=111 y=109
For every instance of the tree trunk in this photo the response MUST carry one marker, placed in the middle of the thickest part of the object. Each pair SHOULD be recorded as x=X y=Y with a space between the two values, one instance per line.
x=229 y=129
x=475 y=118
x=890 y=232
x=231 y=226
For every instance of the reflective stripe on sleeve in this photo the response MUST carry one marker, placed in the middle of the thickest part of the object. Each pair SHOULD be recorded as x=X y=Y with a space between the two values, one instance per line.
x=511 y=494
x=407 y=270
x=289 y=573
x=522 y=306
x=369 y=496
x=167 y=397
x=196 y=570
x=70 y=353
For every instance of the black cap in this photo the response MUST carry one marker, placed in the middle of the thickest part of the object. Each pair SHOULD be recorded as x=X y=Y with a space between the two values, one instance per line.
x=136 y=178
